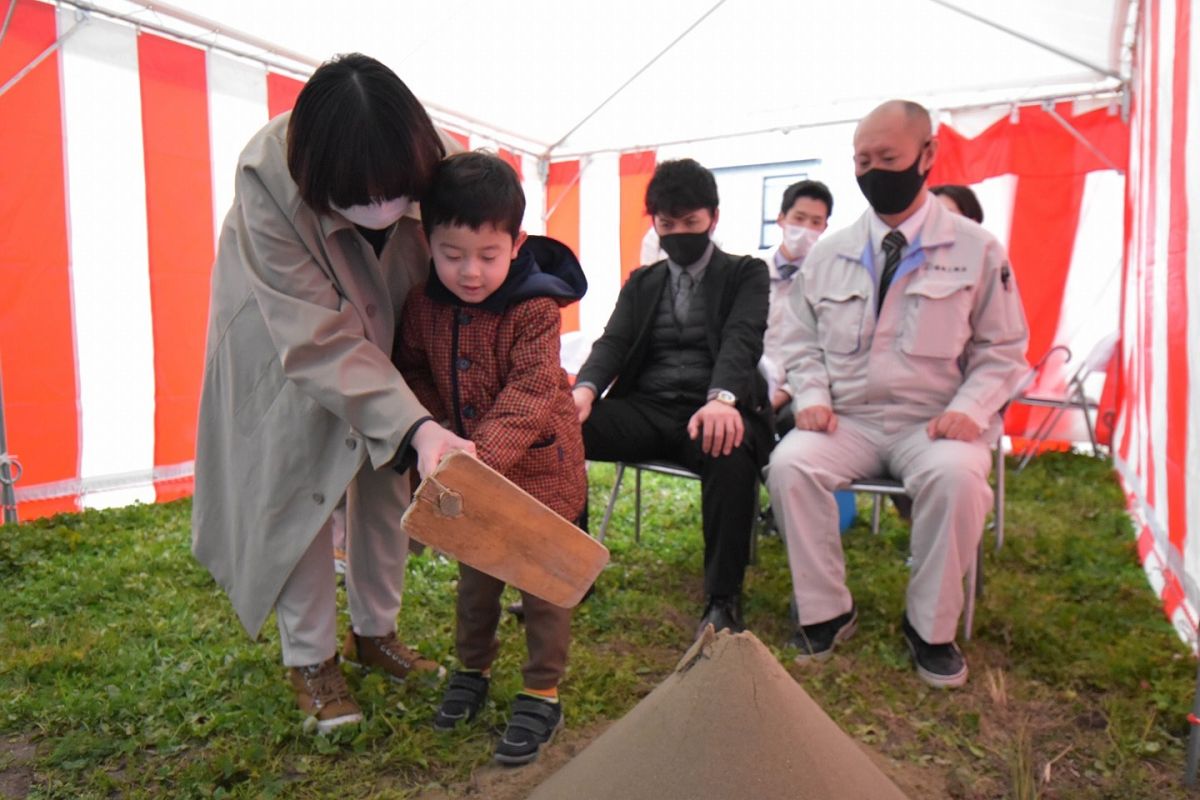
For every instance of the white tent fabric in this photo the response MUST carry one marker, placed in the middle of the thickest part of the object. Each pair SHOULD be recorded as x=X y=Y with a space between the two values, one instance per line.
x=574 y=77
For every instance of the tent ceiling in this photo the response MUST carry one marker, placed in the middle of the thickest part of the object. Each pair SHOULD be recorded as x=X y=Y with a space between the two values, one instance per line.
x=538 y=69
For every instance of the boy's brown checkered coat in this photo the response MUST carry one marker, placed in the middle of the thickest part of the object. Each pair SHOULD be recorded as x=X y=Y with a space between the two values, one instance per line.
x=493 y=373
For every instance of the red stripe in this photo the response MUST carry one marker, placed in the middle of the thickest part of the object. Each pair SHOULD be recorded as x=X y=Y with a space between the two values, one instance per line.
x=513 y=160
x=461 y=138
x=1177 y=291
x=636 y=170
x=562 y=196
x=1041 y=259
x=281 y=93
x=37 y=348
x=179 y=219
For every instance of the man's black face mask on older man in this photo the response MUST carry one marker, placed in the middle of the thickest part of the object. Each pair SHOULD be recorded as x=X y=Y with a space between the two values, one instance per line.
x=890 y=191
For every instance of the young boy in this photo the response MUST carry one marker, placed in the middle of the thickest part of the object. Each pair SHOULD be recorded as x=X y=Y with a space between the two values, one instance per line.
x=480 y=348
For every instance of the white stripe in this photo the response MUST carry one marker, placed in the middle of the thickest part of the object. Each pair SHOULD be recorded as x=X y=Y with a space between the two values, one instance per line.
x=1191 y=173
x=1092 y=295
x=1162 y=232
x=110 y=280
x=996 y=197
x=599 y=240
x=535 y=196
x=237 y=109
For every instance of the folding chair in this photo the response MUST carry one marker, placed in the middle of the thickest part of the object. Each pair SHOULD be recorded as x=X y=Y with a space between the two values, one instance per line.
x=878 y=487
x=662 y=468
x=1074 y=397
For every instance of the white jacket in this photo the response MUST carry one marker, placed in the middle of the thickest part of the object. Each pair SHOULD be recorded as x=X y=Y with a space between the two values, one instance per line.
x=951 y=335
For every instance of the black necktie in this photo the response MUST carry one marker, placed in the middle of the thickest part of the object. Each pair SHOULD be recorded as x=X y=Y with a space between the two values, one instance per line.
x=893 y=243
x=683 y=296
x=786 y=271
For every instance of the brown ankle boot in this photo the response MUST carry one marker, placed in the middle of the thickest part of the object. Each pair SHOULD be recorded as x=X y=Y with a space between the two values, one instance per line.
x=389 y=654
x=321 y=692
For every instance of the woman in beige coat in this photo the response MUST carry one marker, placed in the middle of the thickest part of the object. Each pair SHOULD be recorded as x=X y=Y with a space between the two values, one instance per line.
x=301 y=404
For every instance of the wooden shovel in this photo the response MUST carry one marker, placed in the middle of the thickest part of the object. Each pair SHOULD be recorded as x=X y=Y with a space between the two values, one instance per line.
x=472 y=513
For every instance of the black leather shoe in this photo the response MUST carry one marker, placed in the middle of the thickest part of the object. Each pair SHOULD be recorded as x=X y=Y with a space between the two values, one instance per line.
x=942 y=666
x=816 y=642
x=723 y=612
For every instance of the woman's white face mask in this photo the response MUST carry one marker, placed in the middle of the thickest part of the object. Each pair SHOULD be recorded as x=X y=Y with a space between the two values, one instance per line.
x=378 y=215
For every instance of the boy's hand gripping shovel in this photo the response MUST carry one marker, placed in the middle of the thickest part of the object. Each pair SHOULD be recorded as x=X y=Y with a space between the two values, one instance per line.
x=474 y=514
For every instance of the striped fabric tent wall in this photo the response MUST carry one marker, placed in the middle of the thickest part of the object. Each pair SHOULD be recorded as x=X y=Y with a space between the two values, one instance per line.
x=1158 y=430
x=118 y=150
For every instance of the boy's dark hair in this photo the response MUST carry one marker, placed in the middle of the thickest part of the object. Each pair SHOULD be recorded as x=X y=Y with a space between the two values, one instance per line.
x=814 y=189
x=680 y=186
x=964 y=198
x=473 y=189
x=357 y=134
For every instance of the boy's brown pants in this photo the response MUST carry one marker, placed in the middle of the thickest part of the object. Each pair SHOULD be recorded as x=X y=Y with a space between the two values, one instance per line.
x=547 y=629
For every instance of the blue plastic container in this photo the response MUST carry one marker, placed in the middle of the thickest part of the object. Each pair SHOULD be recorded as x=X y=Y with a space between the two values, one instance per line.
x=847 y=509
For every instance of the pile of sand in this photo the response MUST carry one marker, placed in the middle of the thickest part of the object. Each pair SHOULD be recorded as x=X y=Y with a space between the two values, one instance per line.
x=728 y=723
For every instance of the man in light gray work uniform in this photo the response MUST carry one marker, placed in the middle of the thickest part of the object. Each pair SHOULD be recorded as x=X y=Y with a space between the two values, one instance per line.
x=903 y=336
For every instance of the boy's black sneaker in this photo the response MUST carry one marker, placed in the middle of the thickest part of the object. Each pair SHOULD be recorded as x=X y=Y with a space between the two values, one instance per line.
x=464 y=698
x=942 y=666
x=816 y=642
x=534 y=722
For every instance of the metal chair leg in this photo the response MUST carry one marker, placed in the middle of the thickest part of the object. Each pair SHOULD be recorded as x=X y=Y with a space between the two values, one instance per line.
x=974 y=586
x=612 y=500
x=876 y=509
x=1001 y=468
x=637 y=516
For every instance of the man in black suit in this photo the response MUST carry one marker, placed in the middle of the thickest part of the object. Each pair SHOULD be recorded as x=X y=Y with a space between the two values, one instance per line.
x=680 y=352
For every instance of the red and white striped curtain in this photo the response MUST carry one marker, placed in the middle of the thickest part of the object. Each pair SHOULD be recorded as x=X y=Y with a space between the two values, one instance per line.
x=118 y=151
x=1054 y=177
x=1158 y=428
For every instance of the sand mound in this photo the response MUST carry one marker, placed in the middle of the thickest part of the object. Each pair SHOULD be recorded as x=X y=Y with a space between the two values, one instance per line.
x=728 y=723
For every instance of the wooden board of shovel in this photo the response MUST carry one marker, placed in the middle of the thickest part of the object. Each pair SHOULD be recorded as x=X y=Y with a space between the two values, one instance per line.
x=474 y=514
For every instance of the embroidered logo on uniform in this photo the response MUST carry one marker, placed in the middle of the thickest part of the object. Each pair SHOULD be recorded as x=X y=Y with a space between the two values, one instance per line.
x=946 y=268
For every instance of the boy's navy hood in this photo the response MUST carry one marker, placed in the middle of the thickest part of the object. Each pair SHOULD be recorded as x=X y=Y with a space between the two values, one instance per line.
x=544 y=267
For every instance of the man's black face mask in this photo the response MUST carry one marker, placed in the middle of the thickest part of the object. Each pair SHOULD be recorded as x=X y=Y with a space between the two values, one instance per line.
x=889 y=191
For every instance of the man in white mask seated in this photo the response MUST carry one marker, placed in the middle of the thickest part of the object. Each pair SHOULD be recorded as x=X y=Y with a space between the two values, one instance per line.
x=803 y=217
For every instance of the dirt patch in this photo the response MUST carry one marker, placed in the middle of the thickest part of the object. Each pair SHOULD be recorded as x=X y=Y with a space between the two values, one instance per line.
x=16 y=767
x=494 y=782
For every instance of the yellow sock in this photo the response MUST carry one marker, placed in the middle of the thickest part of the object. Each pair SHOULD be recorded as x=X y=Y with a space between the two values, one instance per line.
x=550 y=694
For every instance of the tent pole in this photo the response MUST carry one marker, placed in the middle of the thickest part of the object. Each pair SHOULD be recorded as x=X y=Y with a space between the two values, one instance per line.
x=40 y=57
x=633 y=77
x=301 y=65
x=12 y=6
x=1031 y=40
x=1071 y=129
x=1108 y=94
x=10 y=469
x=1193 y=747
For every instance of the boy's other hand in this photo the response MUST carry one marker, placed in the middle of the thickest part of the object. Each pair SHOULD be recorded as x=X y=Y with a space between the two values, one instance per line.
x=432 y=442
x=816 y=418
x=720 y=425
x=584 y=398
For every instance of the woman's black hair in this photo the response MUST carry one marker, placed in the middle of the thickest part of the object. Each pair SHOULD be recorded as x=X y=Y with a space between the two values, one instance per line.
x=357 y=134
x=964 y=198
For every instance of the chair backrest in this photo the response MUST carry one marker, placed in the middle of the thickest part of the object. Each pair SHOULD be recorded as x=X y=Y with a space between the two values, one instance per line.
x=1097 y=360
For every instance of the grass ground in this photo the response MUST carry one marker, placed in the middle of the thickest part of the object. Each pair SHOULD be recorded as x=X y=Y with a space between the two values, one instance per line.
x=123 y=672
